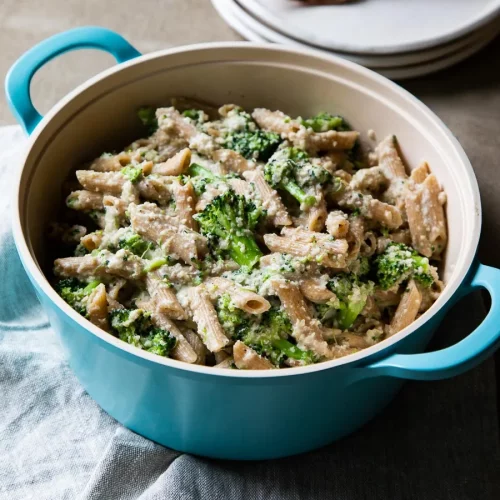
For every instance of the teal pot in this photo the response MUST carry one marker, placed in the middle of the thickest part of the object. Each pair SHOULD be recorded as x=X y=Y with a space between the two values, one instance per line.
x=228 y=413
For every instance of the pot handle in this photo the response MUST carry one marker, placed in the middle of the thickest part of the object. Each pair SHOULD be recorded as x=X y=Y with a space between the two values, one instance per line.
x=17 y=82
x=458 y=358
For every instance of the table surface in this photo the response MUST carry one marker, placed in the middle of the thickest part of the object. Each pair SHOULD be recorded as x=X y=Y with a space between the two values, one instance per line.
x=466 y=97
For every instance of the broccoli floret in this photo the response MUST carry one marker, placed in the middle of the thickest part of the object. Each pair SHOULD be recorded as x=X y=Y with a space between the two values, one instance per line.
x=323 y=122
x=266 y=334
x=290 y=169
x=159 y=342
x=135 y=327
x=269 y=339
x=256 y=145
x=135 y=244
x=228 y=222
x=147 y=115
x=80 y=251
x=352 y=295
x=75 y=292
x=360 y=266
x=235 y=322
x=201 y=176
x=399 y=263
x=133 y=174
x=197 y=115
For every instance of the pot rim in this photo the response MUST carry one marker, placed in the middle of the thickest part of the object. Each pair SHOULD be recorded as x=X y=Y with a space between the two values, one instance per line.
x=43 y=284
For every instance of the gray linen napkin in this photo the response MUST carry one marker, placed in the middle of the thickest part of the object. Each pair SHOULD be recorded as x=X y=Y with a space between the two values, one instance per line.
x=436 y=441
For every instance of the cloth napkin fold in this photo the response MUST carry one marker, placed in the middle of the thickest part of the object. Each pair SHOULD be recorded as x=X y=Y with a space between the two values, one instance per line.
x=436 y=441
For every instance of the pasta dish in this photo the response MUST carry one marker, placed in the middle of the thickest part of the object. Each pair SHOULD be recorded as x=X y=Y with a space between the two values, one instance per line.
x=250 y=240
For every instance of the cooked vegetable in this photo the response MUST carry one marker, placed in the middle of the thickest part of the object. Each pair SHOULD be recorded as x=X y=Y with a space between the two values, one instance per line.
x=135 y=327
x=267 y=334
x=399 y=263
x=135 y=244
x=290 y=169
x=352 y=295
x=228 y=222
x=133 y=174
x=323 y=122
x=75 y=293
x=147 y=115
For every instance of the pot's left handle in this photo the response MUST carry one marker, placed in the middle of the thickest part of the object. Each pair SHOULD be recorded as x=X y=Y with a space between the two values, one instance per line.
x=17 y=82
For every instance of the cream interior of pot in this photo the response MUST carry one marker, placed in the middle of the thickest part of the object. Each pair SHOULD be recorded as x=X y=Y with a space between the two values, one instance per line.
x=101 y=116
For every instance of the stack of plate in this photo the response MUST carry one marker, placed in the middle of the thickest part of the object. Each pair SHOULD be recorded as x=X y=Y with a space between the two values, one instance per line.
x=398 y=38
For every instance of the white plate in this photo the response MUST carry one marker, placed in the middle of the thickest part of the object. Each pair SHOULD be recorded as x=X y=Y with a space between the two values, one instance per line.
x=370 y=61
x=224 y=8
x=376 y=26
x=240 y=28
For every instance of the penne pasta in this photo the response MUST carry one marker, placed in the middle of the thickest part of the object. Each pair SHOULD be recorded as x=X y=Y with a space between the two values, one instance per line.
x=246 y=300
x=271 y=201
x=407 y=309
x=209 y=328
x=176 y=165
x=306 y=329
x=246 y=358
x=97 y=307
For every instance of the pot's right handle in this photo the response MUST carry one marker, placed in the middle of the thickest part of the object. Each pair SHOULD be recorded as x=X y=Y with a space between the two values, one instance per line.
x=458 y=358
x=17 y=82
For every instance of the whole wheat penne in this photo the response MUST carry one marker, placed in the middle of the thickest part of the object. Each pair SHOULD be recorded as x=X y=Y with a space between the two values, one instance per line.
x=182 y=350
x=205 y=316
x=158 y=227
x=220 y=356
x=176 y=165
x=104 y=264
x=84 y=200
x=276 y=121
x=389 y=158
x=355 y=236
x=370 y=179
x=306 y=330
x=170 y=118
x=130 y=193
x=185 y=200
x=321 y=253
x=154 y=188
x=97 y=307
x=112 y=201
x=197 y=345
x=372 y=208
x=245 y=300
x=315 y=290
x=111 y=163
x=245 y=358
x=326 y=141
x=163 y=296
x=239 y=186
x=432 y=207
x=226 y=363
x=369 y=244
x=101 y=182
x=92 y=241
x=419 y=174
x=232 y=161
x=353 y=340
x=271 y=201
x=416 y=223
x=316 y=217
x=407 y=309
x=337 y=224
